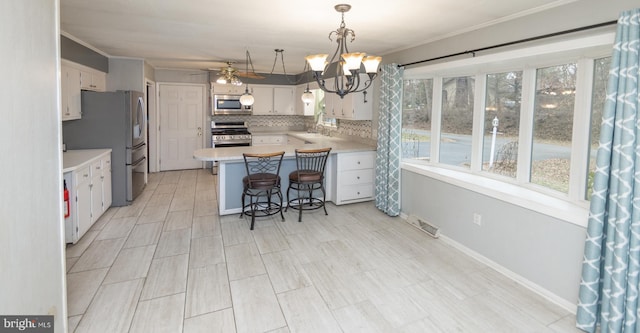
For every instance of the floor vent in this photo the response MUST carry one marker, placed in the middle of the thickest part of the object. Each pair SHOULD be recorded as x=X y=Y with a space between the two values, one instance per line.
x=430 y=229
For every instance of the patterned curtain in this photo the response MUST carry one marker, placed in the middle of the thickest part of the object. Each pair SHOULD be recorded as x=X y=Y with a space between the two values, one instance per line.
x=388 y=153
x=609 y=288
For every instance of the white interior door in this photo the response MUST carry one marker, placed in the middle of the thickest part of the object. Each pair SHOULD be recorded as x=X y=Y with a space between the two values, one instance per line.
x=181 y=125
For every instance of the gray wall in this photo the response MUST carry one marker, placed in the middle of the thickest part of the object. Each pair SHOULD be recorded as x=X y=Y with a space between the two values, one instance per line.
x=32 y=243
x=126 y=74
x=80 y=54
x=544 y=250
x=540 y=248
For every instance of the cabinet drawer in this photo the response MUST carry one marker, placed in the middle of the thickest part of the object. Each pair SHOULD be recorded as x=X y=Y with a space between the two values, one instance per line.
x=353 y=177
x=355 y=192
x=82 y=175
x=356 y=161
x=257 y=140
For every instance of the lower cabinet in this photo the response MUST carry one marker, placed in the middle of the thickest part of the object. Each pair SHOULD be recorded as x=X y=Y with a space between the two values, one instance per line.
x=89 y=188
x=268 y=139
x=354 y=177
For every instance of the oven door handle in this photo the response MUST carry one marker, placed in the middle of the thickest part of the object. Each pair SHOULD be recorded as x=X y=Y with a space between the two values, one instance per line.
x=138 y=162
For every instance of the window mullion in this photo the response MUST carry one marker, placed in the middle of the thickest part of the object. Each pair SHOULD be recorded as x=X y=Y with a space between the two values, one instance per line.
x=581 y=128
x=477 y=136
x=436 y=118
x=525 y=138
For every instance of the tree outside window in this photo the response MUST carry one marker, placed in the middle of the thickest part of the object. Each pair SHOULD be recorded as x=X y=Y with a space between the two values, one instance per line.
x=553 y=126
x=502 y=108
x=416 y=118
x=457 y=120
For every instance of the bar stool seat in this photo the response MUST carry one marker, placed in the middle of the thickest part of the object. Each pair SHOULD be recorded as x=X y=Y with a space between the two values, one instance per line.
x=261 y=184
x=306 y=179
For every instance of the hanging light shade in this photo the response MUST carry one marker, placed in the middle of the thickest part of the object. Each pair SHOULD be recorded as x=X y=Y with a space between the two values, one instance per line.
x=307 y=96
x=246 y=98
x=348 y=63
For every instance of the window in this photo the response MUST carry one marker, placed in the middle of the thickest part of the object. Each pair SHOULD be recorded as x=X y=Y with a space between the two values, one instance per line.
x=457 y=120
x=598 y=96
x=541 y=142
x=553 y=126
x=416 y=119
x=502 y=123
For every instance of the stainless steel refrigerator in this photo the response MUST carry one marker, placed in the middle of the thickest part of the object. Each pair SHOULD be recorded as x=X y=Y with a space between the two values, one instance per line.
x=115 y=120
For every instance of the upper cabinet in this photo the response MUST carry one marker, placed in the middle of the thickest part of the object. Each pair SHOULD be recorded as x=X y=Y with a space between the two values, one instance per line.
x=273 y=100
x=353 y=106
x=70 y=88
x=93 y=80
x=74 y=78
x=227 y=89
x=283 y=102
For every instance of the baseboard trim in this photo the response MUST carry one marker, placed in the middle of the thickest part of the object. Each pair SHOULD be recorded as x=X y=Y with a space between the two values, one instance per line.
x=548 y=295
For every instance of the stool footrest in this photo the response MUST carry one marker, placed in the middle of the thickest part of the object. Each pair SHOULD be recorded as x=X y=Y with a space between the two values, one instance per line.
x=305 y=203
x=262 y=209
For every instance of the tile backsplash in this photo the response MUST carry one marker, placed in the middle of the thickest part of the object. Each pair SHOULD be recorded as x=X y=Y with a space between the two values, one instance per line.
x=359 y=129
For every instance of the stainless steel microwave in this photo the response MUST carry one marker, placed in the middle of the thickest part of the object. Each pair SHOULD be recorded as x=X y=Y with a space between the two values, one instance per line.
x=229 y=105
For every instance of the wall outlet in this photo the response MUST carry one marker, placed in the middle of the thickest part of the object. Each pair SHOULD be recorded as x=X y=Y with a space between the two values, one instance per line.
x=477 y=219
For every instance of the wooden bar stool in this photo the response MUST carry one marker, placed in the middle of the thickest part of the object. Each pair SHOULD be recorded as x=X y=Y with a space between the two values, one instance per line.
x=260 y=184
x=307 y=178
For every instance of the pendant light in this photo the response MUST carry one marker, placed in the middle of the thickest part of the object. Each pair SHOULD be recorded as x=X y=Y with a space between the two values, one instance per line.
x=247 y=99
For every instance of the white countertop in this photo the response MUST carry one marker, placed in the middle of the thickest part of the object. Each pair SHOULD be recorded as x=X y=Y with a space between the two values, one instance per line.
x=73 y=159
x=338 y=145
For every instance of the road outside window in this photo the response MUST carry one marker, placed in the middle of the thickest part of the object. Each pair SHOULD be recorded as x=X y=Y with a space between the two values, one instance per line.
x=502 y=123
x=553 y=126
x=457 y=121
x=417 y=100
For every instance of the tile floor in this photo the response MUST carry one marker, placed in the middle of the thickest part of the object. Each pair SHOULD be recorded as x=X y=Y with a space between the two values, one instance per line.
x=169 y=263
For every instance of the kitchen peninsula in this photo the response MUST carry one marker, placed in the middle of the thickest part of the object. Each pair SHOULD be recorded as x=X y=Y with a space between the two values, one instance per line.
x=348 y=177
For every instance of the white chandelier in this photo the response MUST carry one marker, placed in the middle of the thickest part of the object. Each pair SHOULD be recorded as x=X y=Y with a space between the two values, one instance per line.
x=347 y=75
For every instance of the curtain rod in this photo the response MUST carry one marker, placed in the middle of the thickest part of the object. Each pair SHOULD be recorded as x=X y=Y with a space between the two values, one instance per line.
x=513 y=42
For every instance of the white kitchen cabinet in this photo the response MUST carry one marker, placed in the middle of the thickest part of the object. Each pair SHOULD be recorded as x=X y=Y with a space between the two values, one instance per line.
x=355 y=106
x=354 y=177
x=106 y=182
x=283 y=102
x=75 y=78
x=263 y=100
x=228 y=89
x=93 y=80
x=268 y=139
x=88 y=179
x=70 y=91
x=96 y=190
x=273 y=100
x=81 y=194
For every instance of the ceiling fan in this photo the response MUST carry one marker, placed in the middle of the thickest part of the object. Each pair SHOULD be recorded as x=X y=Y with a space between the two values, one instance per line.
x=230 y=75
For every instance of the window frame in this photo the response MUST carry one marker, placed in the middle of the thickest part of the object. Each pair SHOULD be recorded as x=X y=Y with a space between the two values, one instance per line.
x=583 y=51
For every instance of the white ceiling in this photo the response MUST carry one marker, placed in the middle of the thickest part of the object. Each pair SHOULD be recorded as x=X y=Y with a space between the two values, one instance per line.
x=201 y=34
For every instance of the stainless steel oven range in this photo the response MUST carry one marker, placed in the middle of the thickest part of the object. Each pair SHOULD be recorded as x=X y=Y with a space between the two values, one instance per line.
x=229 y=134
